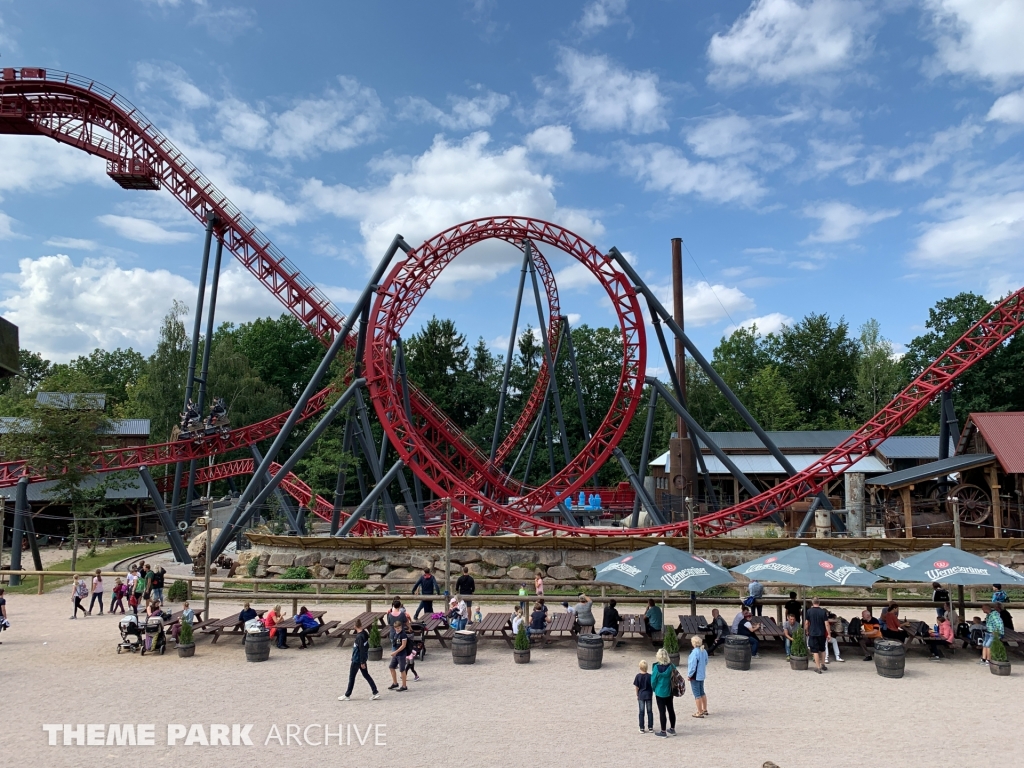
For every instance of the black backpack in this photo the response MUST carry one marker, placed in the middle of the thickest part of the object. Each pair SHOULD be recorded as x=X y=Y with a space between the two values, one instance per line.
x=854 y=629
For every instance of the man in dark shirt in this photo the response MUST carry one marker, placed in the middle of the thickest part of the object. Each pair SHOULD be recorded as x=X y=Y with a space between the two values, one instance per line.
x=427 y=585
x=399 y=658
x=1005 y=616
x=610 y=619
x=716 y=632
x=793 y=607
x=816 y=629
x=466 y=585
x=360 y=651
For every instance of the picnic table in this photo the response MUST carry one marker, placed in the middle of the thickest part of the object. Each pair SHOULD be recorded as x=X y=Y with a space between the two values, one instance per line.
x=559 y=625
x=349 y=627
x=322 y=628
x=769 y=629
x=440 y=629
x=690 y=626
x=495 y=623
x=221 y=626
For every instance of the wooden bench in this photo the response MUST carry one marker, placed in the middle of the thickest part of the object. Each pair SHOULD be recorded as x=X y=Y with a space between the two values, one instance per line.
x=439 y=629
x=321 y=629
x=559 y=625
x=691 y=626
x=221 y=626
x=349 y=627
x=495 y=624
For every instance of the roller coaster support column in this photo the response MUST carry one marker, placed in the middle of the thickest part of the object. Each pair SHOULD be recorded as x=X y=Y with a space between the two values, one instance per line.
x=645 y=452
x=21 y=511
x=205 y=368
x=339 y=486
x=211 y=220
x=365 y=437
x=638 y=486
x=370 y=499
x=403 y=373
x=712 y=374
x=282 y=498
x=311 y=387
x=512 y=335
x=304 y=446
x=548 y=359
x=166 y=519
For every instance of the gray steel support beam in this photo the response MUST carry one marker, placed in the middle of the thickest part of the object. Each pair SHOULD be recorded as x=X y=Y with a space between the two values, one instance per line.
x=548 y=358
x=638 y=486
x=809 y=517
x=314 y=382
x=474 y=530
x=567 y=515
x=21 y=510
x=404 y=380
x=166 y=519
x=281 y=496
x=365 y=438
x=27 y=525
x=512 y=338
x=645 y=452
x=370 y=499
x=567 y=331
x=339 y=485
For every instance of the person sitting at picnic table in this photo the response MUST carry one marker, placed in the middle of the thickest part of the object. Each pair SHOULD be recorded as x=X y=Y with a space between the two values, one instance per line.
x=939 y=595
x=870 y=630
x=793 y=607
x=1005 y=616
x=993 y=629
x=458 y=613
x=892 y=627
x=517 y=620
x=584 y=615
x=306 y=625
x=610 y=619
x=188 y=616
x=788 y=628
x=653 y=619
x=538 y=621
x=943 y=640
x=279 y=634
x=568 y=608
x=742 y=625
x=716 y=632
x=247 y=614
x=835 y=629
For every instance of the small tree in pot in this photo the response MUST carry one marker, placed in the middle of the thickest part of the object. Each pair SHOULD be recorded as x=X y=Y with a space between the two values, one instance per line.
x=186 y=641
x=670 y=643
x=521 y=647
x=798 y=650
x=375 y=651
x=999 y=664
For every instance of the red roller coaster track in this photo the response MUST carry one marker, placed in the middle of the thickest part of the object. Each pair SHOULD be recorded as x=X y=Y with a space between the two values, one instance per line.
x=86 y=115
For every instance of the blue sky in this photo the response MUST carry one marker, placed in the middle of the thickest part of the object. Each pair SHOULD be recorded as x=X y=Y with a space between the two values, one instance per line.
x=856 y=158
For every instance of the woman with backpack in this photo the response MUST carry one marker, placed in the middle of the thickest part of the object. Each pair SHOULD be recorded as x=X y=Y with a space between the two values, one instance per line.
x=662 y=675
x=79 y=591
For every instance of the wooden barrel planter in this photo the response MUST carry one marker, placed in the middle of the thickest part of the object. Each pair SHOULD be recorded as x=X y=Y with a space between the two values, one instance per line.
x=187 y=650
x=464 y=647
x=798 y=663
x=890 y=658
x=375 y=654
x=737 y=652
x=521 y=657
x=257 y=645
x=1001 y=668
x=589 y=651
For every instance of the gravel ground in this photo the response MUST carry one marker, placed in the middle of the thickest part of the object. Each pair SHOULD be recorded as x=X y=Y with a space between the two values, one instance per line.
x=493 y=713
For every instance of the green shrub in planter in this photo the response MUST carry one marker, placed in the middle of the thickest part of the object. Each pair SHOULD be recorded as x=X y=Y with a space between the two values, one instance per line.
x=522 y=642
x=186 y=637
x=671 y=641
x=998 y=650
x=178 y=593
x=798 y=647
x=374 y=637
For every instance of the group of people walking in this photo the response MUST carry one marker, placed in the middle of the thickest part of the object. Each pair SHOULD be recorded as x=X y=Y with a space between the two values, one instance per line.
x=141 y=585
x=664 y=683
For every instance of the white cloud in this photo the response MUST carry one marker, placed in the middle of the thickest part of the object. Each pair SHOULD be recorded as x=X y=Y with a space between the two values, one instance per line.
x=74 y=243
x=449 y=183
x=36 y=164
x=979 y=38
x=6 y=233
x=551 y=140
x=1008 y=108
x=600 y=14
x=917 y=159
x=607 y=97
x=173 y=79
x=764 y=325
x=747 y=139
x=465 y=114
x=780 y=40
x=667 y=169
x=66 y=309
x=142 y=230
x=977 y=231
x=704 y=303
x=225 y=23
x=842 y=221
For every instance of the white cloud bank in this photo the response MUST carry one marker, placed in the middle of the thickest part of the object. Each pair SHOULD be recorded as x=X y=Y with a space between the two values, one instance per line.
x=842 y=221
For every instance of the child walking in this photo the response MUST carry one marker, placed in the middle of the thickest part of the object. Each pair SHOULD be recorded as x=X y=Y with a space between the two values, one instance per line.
x=644 y=697
x=97 y=592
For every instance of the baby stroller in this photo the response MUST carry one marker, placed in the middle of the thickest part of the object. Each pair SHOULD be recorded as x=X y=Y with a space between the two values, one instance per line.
x=155 y=637
x=131 y=634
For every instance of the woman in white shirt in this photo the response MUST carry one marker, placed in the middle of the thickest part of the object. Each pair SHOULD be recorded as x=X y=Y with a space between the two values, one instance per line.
x=517 y=620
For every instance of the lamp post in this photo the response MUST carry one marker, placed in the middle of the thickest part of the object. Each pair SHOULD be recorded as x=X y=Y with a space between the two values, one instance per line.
x=689 y=531
x=447 y=547
x=957 y=542
x=206 y=578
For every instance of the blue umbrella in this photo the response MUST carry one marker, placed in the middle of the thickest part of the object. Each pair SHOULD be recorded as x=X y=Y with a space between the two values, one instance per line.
x=663 y=568
x=808 y=567
x=949 y=565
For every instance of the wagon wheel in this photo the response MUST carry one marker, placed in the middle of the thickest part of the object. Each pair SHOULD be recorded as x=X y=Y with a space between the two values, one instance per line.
x=975 y=505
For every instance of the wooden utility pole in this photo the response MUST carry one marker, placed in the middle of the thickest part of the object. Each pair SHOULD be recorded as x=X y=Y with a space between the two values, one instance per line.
x=684 y=463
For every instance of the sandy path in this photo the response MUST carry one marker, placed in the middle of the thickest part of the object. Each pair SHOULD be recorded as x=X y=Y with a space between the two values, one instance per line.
x=493 y=713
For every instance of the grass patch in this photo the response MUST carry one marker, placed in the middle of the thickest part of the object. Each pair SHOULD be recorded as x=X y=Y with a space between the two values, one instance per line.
x=86 y=564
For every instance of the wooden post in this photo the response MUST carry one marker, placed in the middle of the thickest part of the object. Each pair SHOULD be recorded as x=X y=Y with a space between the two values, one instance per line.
x=295 y=605
x=908 y=513
x=39 y=590
x=997 y=508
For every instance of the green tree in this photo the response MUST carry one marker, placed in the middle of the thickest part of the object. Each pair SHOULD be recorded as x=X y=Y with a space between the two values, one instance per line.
x=769 y=401
x=160 y=391
x=880 y=375
x=281 y=351
x=437 y=359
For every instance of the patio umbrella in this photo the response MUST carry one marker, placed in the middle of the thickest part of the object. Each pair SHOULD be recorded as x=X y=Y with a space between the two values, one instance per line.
x=808 y=567
x=663 y=568
x=949 y=565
